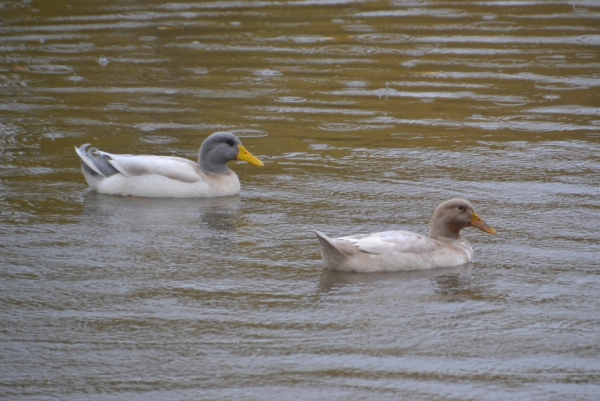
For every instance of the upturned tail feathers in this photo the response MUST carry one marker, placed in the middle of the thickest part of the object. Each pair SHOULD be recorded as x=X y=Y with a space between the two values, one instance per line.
x=95 y=162
x=332 y=256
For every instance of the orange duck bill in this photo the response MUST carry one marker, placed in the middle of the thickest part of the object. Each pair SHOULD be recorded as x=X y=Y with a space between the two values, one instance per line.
x=478 y=222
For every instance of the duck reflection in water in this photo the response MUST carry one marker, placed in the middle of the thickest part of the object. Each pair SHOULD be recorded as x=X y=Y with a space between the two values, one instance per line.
x=169 y=222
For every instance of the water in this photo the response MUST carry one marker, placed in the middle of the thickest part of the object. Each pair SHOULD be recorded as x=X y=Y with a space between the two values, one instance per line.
x=368 y=114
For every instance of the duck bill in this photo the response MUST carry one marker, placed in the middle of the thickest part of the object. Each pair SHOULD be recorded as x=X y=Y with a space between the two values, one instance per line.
x=478 y=222
x=246 y=156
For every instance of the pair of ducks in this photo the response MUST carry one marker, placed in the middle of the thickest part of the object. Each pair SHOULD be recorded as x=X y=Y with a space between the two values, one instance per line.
x=166 y=176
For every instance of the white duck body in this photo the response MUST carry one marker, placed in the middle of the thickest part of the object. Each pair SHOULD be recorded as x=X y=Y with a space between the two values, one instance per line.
x=167 y=176
x=404 y=250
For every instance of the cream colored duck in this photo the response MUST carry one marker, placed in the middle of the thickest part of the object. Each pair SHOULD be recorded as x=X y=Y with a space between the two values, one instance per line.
x=404 y=250
x=168 y=176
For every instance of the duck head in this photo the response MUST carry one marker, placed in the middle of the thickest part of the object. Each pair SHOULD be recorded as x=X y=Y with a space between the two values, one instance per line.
x=452 y=216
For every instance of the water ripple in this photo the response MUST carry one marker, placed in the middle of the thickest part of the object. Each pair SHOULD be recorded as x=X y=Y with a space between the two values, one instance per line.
x=150 y=127
x=438 y=84
x=290 y=99
x=324 y=61
x=313 y=110
x=357 y=84
x=51 y=69
x=354 y=50
x=407 y=136
x=384 y=38
x=248 y=133
x=267 y=73
x=358 y=28
x=571 y=110
x=524 y=76
x=158 y=139
x=494 y=25
x=68 y=48
x=137 y=109
x=592 y=40
x=384 y=93
x=415 y=12
x=303 y=39
x=492 y=124
x=349 y=127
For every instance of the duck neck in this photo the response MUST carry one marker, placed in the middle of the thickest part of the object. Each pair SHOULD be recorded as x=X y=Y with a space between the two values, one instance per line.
x=209 y=162
x=440 y=229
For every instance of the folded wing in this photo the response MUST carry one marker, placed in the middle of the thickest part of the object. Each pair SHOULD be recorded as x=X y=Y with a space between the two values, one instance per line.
x=175 y=168
x=391 y=241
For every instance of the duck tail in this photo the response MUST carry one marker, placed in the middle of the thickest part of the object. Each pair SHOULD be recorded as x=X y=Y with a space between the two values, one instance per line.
x=332 y=255
x=95 y=162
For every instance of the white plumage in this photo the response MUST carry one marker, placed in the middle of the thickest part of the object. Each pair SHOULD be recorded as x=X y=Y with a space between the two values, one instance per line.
x=167 y=176
x=405 y=250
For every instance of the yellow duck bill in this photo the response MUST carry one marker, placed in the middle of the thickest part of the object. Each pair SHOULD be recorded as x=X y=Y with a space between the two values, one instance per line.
x=478 y=222
x=246 y=156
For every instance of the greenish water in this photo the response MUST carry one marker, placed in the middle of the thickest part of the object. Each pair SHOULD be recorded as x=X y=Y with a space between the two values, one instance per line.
x=367 y=114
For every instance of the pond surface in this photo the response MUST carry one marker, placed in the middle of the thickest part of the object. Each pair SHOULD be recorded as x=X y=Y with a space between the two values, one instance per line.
x=367 y=114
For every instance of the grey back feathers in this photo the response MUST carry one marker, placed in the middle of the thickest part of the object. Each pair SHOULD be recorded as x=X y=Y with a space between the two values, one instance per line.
x=95 y=162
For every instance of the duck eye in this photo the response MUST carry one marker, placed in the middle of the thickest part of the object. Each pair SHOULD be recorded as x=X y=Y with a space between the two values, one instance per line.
x=229 y=142
x=461 y=207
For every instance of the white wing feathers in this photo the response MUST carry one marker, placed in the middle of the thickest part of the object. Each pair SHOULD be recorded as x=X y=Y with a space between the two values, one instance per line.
x=391 y=241
x=175 y=168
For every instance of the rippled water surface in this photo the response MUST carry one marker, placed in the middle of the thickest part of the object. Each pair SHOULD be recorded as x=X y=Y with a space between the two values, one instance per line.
x=367 y=114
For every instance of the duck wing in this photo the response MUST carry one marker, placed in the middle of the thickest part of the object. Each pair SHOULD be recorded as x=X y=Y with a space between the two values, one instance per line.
x=174 y=168
x=391 y=241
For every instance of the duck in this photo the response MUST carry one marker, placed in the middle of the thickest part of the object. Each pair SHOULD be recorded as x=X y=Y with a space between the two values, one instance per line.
x=391 y=251
x=167 y=176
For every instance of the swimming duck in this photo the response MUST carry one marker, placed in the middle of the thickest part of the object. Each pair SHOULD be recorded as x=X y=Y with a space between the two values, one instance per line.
x=168 y=176
x=405 y=250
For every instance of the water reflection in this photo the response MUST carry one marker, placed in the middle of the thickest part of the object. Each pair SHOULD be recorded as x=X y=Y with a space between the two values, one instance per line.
x=447 y=279
x=120 y=212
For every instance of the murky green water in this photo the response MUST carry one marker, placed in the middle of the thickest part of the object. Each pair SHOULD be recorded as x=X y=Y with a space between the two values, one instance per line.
x=367 y=114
